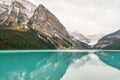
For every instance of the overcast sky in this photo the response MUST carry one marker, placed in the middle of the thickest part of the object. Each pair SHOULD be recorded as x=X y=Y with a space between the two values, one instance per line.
x=86 y=16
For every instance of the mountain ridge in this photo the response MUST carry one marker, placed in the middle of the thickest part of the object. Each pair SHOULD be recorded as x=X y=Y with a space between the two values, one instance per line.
x=23 y=15
x=110 y=41
x=42 y=23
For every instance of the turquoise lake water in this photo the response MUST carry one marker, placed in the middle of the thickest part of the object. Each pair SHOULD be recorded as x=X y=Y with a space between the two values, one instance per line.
x=59 y=65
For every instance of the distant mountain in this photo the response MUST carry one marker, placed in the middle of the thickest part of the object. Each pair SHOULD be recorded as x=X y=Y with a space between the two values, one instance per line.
x=87 y=41
x=79 y=37
x=78 y=44
x=21 y=21
x=94 y=38
x=110 y=41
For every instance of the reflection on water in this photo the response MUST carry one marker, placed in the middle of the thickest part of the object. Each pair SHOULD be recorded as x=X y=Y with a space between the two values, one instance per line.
x=59 y=65
x=93 y=69
x=111 y=58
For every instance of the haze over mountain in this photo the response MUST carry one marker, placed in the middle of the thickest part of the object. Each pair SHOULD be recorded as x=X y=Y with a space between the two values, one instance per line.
x=88 y=39
x=94 y=38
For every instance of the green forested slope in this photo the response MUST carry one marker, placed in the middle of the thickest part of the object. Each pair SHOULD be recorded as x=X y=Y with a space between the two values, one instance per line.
x=13 y=38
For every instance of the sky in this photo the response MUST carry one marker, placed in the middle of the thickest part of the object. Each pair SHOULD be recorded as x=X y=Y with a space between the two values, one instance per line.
x=85 y=16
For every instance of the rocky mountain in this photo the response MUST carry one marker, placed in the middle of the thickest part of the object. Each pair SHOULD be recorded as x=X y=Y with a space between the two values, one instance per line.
x=15 y=16
x=110 y=41
x=43 y=20
x=5 y=5
x=88 y=39
x=80 y=37
x=43 y=27
x=15 y=13
x=78 y=44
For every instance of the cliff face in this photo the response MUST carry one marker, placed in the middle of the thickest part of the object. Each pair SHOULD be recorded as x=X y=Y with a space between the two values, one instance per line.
x=43 y=20
x=5 y=5
x=15 y=16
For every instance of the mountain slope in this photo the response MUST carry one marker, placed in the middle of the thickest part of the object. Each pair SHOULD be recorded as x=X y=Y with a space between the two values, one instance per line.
x=43 y=20
x=110 y=41
x=78 y=44
x=43 y=26
x=14 y=38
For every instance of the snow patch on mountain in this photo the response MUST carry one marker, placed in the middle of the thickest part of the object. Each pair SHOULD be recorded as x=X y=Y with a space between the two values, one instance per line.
x=5 y=4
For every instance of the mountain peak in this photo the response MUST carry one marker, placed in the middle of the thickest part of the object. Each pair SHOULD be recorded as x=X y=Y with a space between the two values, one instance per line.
x=41 y=6
x=44 y=21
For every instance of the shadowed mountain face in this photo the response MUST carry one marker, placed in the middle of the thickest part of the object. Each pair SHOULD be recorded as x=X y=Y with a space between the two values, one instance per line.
x=110 y=41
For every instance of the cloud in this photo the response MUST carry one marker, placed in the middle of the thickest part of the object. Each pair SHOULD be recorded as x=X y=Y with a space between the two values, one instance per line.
x=86 y=16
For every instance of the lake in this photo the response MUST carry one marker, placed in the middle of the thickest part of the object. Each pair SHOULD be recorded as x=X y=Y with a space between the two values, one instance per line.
x=60 y=65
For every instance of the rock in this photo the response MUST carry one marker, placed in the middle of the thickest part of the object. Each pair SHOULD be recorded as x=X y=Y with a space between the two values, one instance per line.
x=43 y=20
x=15 y=16
x=109 y=41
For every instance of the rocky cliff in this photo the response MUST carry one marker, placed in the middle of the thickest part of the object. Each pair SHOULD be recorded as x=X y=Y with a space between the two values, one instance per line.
x=43 y=20
x=15 y=16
